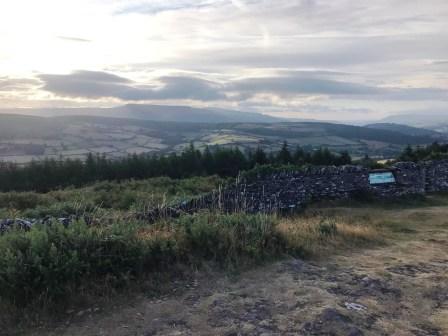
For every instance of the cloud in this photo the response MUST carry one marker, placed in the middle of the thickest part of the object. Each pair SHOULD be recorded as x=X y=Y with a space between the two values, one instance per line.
x=73 y=39
x=155 y=7
x=317 y=83
x=17 y=84
x=338 y=52
x=301 y=85
x=179 y=87
x=95 y=85
x=413 y=94
x=439 y=62
x=264 y=55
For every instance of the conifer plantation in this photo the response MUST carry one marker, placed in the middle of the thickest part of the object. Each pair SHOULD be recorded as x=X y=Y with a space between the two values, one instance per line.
x=42 y=176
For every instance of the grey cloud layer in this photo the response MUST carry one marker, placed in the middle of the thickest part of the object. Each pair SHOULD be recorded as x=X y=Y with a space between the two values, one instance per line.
x=300 y=83
x=89 y=84
x=309 y=52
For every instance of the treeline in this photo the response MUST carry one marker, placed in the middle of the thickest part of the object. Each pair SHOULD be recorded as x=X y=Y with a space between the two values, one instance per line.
x=50 y=174
x=435 y=151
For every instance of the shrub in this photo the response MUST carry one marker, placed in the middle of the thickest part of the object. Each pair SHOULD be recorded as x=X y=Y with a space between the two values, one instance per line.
x=50 y=262
x=60 y=209
x=24 y=200
x=327 y=228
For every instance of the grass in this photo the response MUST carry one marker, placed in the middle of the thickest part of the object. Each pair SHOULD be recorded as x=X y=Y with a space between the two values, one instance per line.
x=316 y=235
x=51 y=263
x=52 y=266
x=106 y=197
x=366 y=200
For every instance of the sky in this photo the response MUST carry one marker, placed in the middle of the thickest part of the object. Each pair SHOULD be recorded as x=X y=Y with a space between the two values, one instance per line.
x=323 y=59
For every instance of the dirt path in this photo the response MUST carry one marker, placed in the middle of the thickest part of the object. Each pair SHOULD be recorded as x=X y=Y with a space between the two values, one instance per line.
x=400 y=289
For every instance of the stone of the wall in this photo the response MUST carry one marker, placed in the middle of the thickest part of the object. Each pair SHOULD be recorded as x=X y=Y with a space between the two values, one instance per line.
x=436 y=178
x=293 y=189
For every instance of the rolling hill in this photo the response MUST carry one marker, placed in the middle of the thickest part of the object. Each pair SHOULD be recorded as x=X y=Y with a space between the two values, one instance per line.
x=154 y=113
x=26 y=138
x=408 y=130
x=434 y=120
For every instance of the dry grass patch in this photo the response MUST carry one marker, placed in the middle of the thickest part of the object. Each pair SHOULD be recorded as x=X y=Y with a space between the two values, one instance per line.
x=317 y=234
x=327 y=230
x=154 y=233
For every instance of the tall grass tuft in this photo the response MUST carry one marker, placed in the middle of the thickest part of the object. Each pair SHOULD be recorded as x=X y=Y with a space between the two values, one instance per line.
x=231 y=238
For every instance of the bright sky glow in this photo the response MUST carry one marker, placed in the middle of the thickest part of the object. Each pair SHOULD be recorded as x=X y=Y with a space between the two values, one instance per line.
x=323 y=59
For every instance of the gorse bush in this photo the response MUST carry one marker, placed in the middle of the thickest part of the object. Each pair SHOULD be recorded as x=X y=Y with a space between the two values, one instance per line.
x=48 y=263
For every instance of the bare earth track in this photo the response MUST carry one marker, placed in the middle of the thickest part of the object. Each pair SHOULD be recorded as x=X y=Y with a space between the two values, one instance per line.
x=397 y=289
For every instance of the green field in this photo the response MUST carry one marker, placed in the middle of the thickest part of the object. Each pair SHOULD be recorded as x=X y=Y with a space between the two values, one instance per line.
x=25 y=138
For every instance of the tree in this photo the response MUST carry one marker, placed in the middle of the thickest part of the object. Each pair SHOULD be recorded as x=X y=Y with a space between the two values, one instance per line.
x=407 y=155
x=343 y=159
x=190 y=161
x=284 y=156
x=50 y=174
x=299 y=157
x=259 y=157
x=322 y=157
x=208 y=161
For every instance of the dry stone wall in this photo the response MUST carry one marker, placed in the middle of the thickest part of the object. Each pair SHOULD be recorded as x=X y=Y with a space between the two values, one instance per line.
x=294 y=189
x=289 y=190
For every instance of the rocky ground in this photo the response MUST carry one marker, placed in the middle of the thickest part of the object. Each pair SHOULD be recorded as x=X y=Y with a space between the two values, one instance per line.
x=397 y=289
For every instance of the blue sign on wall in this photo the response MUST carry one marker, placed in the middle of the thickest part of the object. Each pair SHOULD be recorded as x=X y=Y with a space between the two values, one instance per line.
x=381 y=178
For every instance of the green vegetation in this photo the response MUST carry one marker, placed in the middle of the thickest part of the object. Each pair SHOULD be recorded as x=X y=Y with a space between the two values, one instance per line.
x=434 y=151
x=51 y=174
x=106 y=198
x=50 y=263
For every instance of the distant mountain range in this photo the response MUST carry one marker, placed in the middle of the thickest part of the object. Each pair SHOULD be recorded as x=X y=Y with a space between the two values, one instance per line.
x=154 y=113
x=437 y=121
x=405 y=129
x=430 y=120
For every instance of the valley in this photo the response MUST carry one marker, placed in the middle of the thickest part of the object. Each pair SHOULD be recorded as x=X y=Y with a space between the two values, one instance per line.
x=27 y=138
